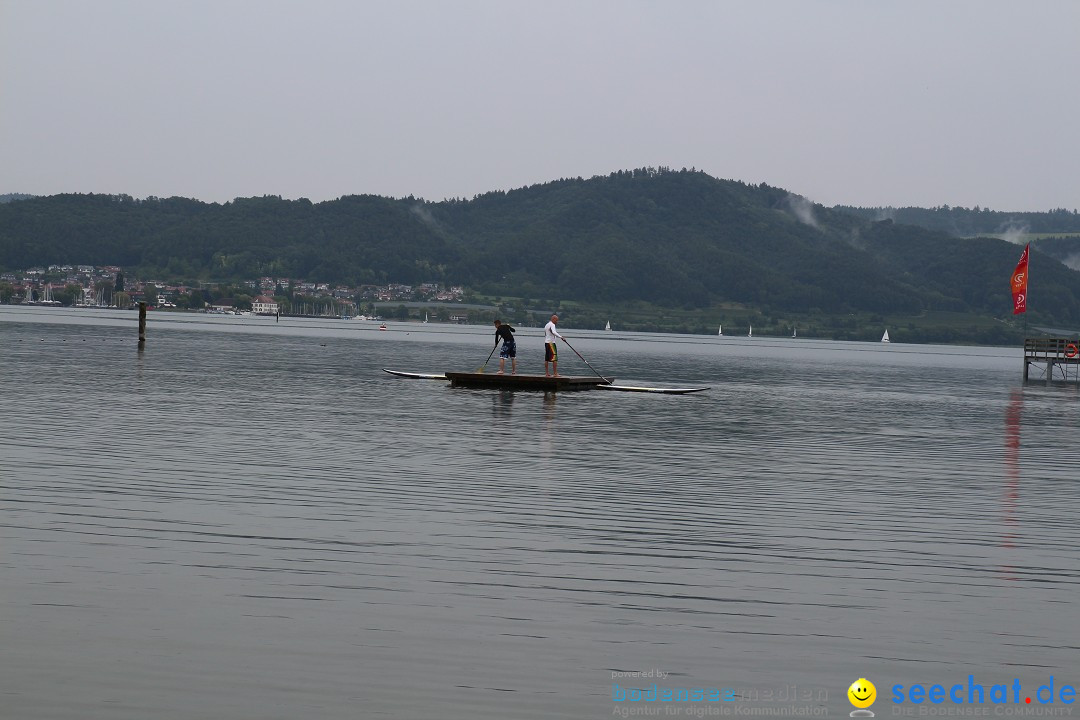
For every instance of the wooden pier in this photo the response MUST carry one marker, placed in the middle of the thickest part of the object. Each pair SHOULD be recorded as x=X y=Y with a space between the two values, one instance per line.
x=1059 y=359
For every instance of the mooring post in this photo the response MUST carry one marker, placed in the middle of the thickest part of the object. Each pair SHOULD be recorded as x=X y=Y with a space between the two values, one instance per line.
x=1049 y=371
x=142 y=322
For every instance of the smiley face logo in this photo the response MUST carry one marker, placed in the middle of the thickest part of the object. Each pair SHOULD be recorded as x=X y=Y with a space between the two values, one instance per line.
x=862 y=693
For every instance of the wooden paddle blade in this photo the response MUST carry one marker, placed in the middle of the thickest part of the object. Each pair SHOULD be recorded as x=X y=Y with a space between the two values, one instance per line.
x=481 y=368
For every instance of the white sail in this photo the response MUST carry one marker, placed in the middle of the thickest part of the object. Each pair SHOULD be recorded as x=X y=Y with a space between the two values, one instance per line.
x=794 y=332
x=751 y=333
x=885 y=337
x=608 y=326
x=721 y=332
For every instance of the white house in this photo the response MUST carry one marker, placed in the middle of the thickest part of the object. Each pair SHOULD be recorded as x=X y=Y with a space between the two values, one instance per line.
x=264 y=305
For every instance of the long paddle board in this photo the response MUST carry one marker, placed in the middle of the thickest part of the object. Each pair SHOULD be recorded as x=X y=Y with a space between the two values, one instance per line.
x=665 y=391
x=599 y=386
x=416 y=376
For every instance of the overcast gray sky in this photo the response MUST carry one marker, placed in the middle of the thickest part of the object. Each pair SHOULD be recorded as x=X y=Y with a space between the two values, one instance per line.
x=861 y=102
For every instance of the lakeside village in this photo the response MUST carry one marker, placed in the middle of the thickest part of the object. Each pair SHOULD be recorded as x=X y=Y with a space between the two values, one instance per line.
x=107 y=287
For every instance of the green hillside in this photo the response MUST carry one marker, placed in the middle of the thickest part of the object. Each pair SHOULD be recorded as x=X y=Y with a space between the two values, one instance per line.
x=1055 y=232
x=965 y=222
x=650 y=248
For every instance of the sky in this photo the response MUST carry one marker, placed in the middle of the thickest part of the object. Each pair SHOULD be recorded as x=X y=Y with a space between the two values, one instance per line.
x=845 y=102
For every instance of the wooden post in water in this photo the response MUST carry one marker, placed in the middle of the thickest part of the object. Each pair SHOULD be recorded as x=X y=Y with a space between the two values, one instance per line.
x=142 y=323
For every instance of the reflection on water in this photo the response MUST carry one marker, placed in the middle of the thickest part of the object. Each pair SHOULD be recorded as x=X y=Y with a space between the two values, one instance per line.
x=502 y=402
x=1012 y=470
x=252 y=520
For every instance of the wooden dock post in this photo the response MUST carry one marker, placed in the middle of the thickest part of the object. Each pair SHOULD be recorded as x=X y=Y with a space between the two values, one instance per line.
x=142 y=323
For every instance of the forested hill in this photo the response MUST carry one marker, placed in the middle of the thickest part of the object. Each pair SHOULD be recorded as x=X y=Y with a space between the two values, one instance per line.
x=1055 y=233
x=965 y=222
x=678 y=239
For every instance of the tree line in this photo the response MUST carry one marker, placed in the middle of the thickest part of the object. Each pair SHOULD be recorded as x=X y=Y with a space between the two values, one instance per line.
x=669 y=238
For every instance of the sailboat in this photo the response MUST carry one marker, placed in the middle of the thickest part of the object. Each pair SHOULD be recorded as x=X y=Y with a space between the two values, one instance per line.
x=885 y=337
x=425 y=317
x=794 y=332
x=721 y=333
x=608 y=326
x=751 y=333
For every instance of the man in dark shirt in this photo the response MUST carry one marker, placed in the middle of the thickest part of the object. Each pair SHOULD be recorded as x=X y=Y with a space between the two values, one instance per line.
x=509 y=348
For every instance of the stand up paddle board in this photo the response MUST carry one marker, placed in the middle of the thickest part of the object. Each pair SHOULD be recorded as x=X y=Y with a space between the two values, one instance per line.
x=597 y=385
x=665 y=391
x=416 y=376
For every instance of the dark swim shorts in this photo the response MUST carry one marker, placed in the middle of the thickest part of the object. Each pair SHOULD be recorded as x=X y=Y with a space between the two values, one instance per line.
x=509 y=350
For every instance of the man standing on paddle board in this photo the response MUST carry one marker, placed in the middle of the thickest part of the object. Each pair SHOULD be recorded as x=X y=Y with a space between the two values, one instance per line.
x=551 y=352
x=509 y=348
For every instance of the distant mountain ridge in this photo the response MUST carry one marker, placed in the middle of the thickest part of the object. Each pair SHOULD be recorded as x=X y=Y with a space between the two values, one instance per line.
x=680 y=239
x=964 y=222
x=1055 y=232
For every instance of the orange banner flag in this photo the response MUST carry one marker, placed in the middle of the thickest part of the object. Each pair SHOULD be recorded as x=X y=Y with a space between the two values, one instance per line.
x=1020 y=283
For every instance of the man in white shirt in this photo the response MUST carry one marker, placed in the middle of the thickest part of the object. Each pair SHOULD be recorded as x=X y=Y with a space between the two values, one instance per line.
x=551 y=352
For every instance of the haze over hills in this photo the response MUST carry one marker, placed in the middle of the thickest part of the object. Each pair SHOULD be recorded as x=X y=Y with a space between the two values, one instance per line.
x=659 y=241
x=965 y=222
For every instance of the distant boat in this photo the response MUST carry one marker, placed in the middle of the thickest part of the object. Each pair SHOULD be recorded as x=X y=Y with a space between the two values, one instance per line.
x=383 y=326
x=608 y=326
x=794 y=332
x=721 y=332
x=425 y=317
x=885 y=337
x=751 y=333
x=47 y=298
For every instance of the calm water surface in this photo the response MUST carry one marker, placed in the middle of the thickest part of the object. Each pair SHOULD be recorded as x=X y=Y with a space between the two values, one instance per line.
x=248 y=519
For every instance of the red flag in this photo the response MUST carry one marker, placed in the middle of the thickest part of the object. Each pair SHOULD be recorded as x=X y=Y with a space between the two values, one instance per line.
x=1019 y=283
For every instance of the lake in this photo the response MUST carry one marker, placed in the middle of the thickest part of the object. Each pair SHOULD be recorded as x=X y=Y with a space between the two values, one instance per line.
x=249 y=519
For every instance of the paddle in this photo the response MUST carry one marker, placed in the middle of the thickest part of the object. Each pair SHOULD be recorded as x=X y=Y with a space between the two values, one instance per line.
x=606 y=381
x=481 y=368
